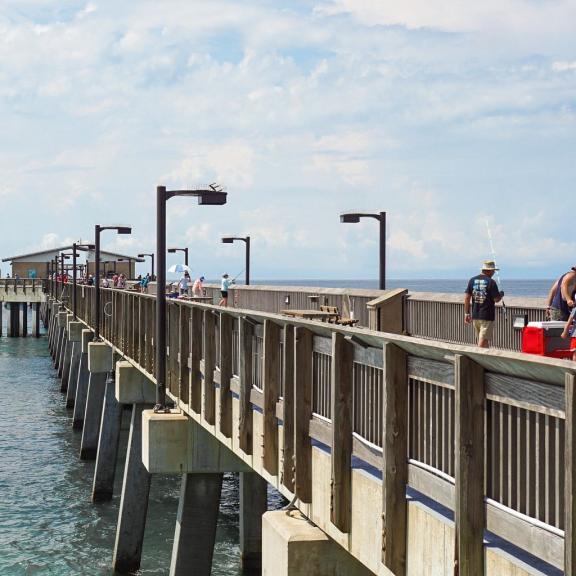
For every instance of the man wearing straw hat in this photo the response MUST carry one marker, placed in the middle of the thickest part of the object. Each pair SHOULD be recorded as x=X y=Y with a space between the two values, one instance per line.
x=480 y=299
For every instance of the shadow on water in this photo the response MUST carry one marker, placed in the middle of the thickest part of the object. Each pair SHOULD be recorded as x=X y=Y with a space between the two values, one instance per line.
x=47 y=523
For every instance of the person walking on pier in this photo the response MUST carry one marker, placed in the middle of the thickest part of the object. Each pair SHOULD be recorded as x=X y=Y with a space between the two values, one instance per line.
x=184 y=284
x=480 y=299
x=561 y=296
x=224 y=287
x=198 y=287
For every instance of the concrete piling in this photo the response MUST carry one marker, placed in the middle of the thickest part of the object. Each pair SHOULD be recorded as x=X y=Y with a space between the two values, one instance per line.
x=253 y=505
x=104 y=472
x=196 y=524
x=134 y=501
x=82 y=380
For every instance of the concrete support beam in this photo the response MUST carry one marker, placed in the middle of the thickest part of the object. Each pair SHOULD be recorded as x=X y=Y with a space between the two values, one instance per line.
x=196 y=525
x=93 y=415
x=24 y=327
x=253 y=505
x=59 y=347
x=75 y=338
x=65 y=368
x=37 y=315
x=293 y=546
x=175 y=444
x=133 y=387
x=82 y=381
x=104 y=472
x=134 y=501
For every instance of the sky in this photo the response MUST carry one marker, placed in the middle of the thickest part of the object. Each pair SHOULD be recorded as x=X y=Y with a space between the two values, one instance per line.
x=455 y=117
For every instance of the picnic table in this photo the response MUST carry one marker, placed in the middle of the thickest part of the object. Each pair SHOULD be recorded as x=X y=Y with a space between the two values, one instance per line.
x=311 y=314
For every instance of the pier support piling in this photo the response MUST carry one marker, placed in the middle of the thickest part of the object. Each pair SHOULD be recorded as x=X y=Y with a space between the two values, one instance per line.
x=253 y=504
x=104 y=472
x=75 y=337
x=24 y=327
x=37 y=320
x=196 y=524
x=134 y=501
x=82 y=380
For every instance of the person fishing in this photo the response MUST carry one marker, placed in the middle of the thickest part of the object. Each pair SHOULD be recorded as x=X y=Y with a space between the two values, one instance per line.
x=561 y=296
x=224 y=286
x=481 y=296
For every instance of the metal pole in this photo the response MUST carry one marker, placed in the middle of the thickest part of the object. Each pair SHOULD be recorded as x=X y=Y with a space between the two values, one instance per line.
x=247 y=260
x=186 y=256
x=382 y=250
x=153 y=256
x=97 y=281
x=62 y=281
x=161 y=299
x=74 y=281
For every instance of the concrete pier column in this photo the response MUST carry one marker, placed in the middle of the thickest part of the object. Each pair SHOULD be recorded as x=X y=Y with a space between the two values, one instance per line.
x=24 y=326
x=61 y=320
x=14 y=320
x=75 y=338
x=67 y=358
x=37 y=320
x=105 y=470
x=82 y=379
x=53 y=327
x=196 y=524
x=293 y=546
x=134 y=501
x=99 y=364
x=1 y=309
x=253 y=504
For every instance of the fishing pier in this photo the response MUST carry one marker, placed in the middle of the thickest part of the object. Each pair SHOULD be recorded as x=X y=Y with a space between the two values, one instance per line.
x=400 y=454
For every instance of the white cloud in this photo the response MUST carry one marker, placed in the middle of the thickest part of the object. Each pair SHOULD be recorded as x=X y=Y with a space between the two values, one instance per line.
x=563 y=66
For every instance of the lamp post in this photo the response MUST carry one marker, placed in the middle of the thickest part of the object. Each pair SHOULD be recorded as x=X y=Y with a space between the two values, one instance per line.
x=152 y=260
x=97 y=230
x=75 y=247
x=354 y=218
x=213 y=196
x=246 y=240
x=185 y=250
x=61 y=259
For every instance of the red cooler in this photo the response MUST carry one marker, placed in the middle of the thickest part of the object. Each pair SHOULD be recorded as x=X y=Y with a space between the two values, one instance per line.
x=544 y=339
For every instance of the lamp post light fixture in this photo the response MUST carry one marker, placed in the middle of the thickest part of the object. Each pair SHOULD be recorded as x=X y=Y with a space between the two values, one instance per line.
x=246 y=240
x=185 y=250
x=213 y=196
x=152 y=259
x=62 y=257
x=75 y=247
x=354 y=218
x=97 y=230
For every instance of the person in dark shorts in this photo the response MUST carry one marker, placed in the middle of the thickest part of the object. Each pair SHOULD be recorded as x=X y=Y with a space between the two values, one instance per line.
x=224 y=286
x=480 y=299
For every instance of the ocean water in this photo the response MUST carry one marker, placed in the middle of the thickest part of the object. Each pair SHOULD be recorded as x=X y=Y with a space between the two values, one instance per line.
x=48 y=524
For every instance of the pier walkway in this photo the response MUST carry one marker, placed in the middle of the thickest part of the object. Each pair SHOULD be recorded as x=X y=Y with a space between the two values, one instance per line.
x=409 y=455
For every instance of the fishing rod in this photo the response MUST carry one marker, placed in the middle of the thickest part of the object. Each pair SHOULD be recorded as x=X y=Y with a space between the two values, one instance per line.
x=498 y=279
x=239 y=274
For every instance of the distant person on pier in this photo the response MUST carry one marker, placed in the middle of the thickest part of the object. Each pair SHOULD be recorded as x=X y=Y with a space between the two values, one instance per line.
x=561 y=296
x=105 y=282
x=224 y=287
x=184 y=284
x=480 y=299
x=90 y=281
x=198 y=287
x=144 y=283
x=122 y=282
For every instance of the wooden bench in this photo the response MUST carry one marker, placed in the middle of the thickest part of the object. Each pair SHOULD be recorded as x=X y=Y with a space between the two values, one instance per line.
x=337 y=319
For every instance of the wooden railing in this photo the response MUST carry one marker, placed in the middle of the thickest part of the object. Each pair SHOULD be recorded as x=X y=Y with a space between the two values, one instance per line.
x=22 y=285
x=484 y=433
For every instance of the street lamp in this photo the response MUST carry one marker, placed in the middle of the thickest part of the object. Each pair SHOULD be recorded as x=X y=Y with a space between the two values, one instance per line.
x=152 y=259
x=97 y=230
x=246 y=240
x=210 y=197
x=75 y=247
x=185 y=250
x=62 y=257
x=354 y=218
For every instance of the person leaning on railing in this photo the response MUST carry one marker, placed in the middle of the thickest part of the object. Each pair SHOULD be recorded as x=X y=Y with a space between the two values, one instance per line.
x=561 y=296
x=480 y=299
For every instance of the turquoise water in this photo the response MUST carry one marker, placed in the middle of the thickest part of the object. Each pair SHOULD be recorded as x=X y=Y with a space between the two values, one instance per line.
x=47 y=523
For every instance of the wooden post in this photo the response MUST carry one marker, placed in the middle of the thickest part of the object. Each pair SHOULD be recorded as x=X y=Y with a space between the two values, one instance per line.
x=184 y=341
x=469 y=467
x=271 y=374
x=570 y=476
x=226 y=326
x=288 y=416
x=209 y=366
x=341 y=377
x=245 y=424
x=395 y=459
x=195 y=356
x=303 y=413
